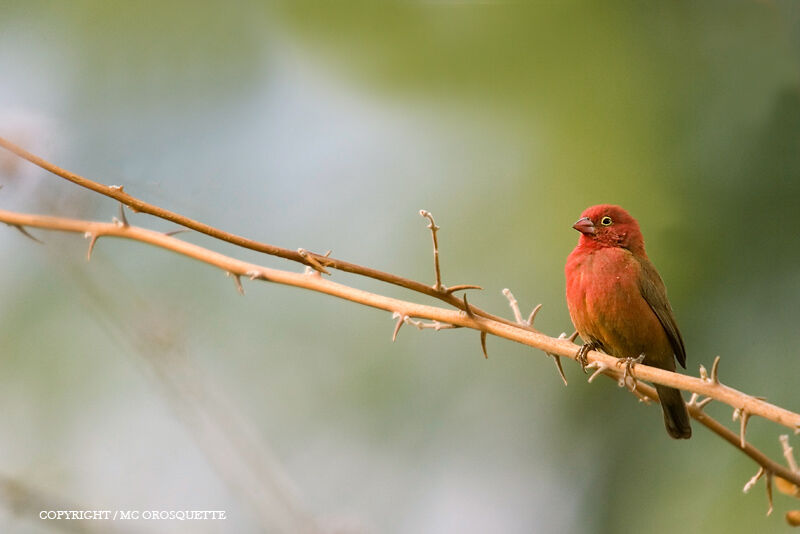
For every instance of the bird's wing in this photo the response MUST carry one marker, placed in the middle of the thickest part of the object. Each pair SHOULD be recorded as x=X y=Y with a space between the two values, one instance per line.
x=654 y=292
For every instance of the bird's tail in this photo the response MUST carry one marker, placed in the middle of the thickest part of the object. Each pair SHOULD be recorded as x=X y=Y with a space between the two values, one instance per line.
x=676 y=417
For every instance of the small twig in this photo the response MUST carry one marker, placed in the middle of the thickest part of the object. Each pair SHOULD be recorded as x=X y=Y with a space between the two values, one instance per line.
x=703 y=403
x=512 y=302
x=434 y=325
x=483 y=344
x=599 y=367
x=783 y=485
x=752 y=482
x=433 y=228
x=788 y=453
x=694 y=401
x=420 y=325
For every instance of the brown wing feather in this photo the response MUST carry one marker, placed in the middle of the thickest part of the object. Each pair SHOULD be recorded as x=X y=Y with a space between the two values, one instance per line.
x=654 y=292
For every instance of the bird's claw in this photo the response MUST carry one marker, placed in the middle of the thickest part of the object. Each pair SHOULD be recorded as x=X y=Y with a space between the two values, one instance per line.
x=629 y=363
x=582 y=352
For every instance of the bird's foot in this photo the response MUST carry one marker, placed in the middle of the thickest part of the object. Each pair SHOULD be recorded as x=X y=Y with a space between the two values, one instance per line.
x=582 y=352
x=629 y=363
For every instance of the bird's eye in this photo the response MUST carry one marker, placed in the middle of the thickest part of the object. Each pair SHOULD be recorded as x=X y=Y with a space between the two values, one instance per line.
x=606 y=221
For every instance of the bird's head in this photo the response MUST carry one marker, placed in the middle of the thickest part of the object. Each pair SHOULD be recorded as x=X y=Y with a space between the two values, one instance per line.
x=605 y=225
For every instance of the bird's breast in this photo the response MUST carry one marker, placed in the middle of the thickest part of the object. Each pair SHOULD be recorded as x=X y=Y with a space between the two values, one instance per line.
x=606 y=304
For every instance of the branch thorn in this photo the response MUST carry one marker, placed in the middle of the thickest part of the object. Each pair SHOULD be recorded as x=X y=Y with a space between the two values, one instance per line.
x=769 y=492
x=715 y=371
x=92 y=240
x=122 y=218
x=532 y=316
x=237 y=279
x=752 y=482
x=573 y=336
x=483 y=344
x=451 y=290
x=743 y=418
x=557 y=360
x=401 y=319
x=556 y=357
x=27 y=234
x=467 y=307
x=176 y=232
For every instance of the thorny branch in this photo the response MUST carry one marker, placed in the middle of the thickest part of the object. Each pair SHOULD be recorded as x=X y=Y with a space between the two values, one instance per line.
x=466 y=315
x=560 y=347
x=307 y=258
x=433 y=228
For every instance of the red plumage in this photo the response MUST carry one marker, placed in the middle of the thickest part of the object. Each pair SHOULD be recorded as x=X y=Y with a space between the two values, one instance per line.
x=618 y=302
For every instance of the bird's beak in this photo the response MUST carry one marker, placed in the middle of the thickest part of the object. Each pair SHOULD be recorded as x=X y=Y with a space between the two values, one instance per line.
x=585 y=226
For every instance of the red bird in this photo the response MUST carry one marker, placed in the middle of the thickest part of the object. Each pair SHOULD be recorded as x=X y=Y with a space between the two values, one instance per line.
x=618 y=302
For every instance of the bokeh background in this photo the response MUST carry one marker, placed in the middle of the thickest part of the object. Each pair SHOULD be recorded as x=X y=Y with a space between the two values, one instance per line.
x=143 y=381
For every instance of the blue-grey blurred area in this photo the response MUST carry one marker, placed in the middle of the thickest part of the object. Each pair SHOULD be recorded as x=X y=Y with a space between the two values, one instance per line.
x=142 y=381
